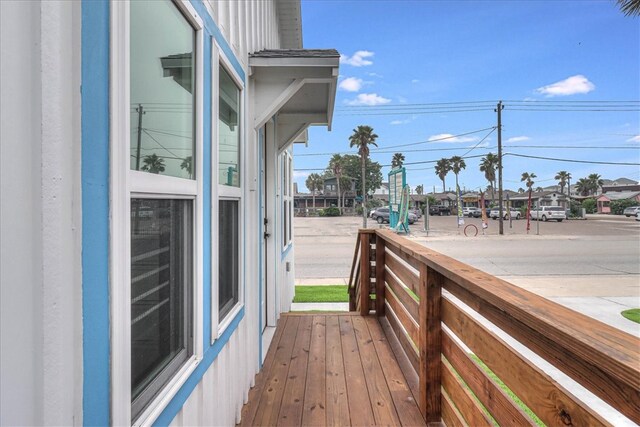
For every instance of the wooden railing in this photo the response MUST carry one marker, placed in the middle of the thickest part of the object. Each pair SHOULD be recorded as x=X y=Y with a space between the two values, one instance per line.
x=420 y=296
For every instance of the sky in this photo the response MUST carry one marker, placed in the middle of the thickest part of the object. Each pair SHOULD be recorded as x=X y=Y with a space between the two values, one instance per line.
x=430 y=73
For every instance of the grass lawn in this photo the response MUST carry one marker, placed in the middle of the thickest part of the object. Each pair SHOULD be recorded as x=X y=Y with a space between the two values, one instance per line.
x=633 y=314
x=326 y=293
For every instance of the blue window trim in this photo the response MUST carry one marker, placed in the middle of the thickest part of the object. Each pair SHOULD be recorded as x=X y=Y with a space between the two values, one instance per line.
x=95 y=170
x=96 y=345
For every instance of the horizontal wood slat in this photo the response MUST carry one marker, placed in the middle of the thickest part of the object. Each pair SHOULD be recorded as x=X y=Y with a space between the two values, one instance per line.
x=462 y=397
x=450 y=414
x=406 y=276
x=410 y=304
x=501 y=406
x=403 y=338
x=413 y=262
x=548 y=400
x=403 y=316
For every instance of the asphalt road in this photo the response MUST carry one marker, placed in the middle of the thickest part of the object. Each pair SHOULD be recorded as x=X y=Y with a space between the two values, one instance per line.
x=324 y=247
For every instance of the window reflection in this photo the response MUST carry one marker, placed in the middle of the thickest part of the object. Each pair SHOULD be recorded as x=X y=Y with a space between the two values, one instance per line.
x=229 y=132
x=162 y=90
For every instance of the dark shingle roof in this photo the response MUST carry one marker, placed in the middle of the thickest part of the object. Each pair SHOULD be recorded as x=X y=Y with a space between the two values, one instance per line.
x=296 y=53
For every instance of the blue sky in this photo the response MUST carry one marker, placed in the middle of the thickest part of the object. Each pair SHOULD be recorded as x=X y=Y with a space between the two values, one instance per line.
x=402 y=59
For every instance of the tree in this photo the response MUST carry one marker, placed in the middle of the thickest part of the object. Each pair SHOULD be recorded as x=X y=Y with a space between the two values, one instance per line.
x=442 y=169
x=362 y=137
x=314 y=183
x=595 y=182
x=527 y=178
x=186 y=164
x=583 y=187
x=335 y=164
x=397 y=160
x=563 y=177
x=419 y=190
x=153 y=164
x=351 y=167
x=629 y=7
x=520 y=190
x=539 y=189
x=488 y=165
x=457 y=164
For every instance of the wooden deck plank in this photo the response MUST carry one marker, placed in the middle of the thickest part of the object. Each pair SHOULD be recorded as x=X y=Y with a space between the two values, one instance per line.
x=337 y=403
x=405 y=404
x=293 y=398
x=383 y=408
x=267 y=413
x=360 y=410
x=250 y=410
x=314 y=413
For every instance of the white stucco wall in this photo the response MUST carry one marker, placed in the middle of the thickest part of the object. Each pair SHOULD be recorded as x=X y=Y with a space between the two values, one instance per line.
x=41 y=359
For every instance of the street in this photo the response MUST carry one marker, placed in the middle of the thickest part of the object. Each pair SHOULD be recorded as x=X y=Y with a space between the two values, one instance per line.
x=592 y=266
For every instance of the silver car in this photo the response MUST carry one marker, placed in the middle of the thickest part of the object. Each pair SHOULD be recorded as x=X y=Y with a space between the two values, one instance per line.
x=631 y=211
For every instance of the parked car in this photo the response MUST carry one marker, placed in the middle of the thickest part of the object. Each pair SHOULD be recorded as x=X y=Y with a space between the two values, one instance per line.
x=439 y=210
x=515 y=214
x=638 y=216
x=472 y=212
x=546 y=213
x=371 y=212
x=631 y=211
x=417 y=212
x=381 y=215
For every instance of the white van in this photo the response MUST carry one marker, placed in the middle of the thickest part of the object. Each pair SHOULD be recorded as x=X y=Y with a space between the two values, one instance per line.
x=548 y=212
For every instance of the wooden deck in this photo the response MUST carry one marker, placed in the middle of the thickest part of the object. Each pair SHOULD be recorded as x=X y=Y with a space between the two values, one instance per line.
x=333 y=369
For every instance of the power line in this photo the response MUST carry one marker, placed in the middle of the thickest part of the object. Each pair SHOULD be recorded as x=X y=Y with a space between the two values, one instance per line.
x=572 y=160
x=479 y=142
x=444 y=138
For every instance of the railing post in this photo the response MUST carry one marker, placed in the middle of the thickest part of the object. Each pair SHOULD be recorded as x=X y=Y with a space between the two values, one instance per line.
x=380 y=272
x=365 y=279
x=430 y=344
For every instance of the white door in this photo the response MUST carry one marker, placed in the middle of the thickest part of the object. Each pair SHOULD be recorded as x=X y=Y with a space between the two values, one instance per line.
x=266 y=229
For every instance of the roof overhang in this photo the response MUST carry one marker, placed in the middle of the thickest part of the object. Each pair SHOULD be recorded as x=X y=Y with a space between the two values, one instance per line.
x=297 y=87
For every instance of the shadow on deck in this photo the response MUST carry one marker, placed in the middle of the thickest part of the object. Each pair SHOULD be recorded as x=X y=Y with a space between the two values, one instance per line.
x=336 y=369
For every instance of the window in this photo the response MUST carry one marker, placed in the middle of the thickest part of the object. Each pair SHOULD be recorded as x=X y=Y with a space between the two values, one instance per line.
x=227 y=197
x=156 y=195
x=287 y=198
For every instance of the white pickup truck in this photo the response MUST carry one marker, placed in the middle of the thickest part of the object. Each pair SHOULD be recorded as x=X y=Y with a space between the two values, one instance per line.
x=546 y=213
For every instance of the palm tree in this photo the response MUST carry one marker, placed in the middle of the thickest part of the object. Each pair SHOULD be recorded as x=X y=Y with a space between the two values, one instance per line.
x=520 y=190
x=397 y=160
x=363 y=136
x=419 y=190
x=488 y=165
x=563 y=177
x=527 y=178
x=335 y=164
x=442 y=169
x=153 y=164
x=595 y=182
x=314 y=183
x=457 y=164
x=583 y=186
x=539 y=189
x=629 y=7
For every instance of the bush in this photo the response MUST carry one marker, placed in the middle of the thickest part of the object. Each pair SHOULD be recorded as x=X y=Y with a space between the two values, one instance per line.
x=332 y=211
x=589 y=205
x=618 y=206
x=575 y=211
x=359 y=210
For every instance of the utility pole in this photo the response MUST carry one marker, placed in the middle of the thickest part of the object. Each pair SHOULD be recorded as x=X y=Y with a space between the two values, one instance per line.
x=140 y=111
x=498 y=109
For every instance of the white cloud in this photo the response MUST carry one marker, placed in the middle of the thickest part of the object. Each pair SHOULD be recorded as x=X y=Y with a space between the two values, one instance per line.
x=351 y=84
x=368 y=99
x=375 y=75
x=358 y=59
x=634 y=139
x=447 y=137
x=300 y=174
x=415 y=81
x=518 y=139
x=569 y=86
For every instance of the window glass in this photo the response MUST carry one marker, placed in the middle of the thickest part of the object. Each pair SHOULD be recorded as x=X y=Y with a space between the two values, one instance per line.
x=228 y=249
x=162 y=90
x=161 y=289
x=229 y=132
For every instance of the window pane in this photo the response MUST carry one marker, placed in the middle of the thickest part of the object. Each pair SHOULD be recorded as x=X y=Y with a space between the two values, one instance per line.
x=228 y=256
x=229 y=137
x=161 y=283
x=162 y=89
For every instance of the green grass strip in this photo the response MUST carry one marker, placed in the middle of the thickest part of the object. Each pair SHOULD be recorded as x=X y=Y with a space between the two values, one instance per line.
x=632 y=314
x=325 y=293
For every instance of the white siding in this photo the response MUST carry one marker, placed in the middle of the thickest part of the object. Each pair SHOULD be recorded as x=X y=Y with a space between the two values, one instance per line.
x=40 y=214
